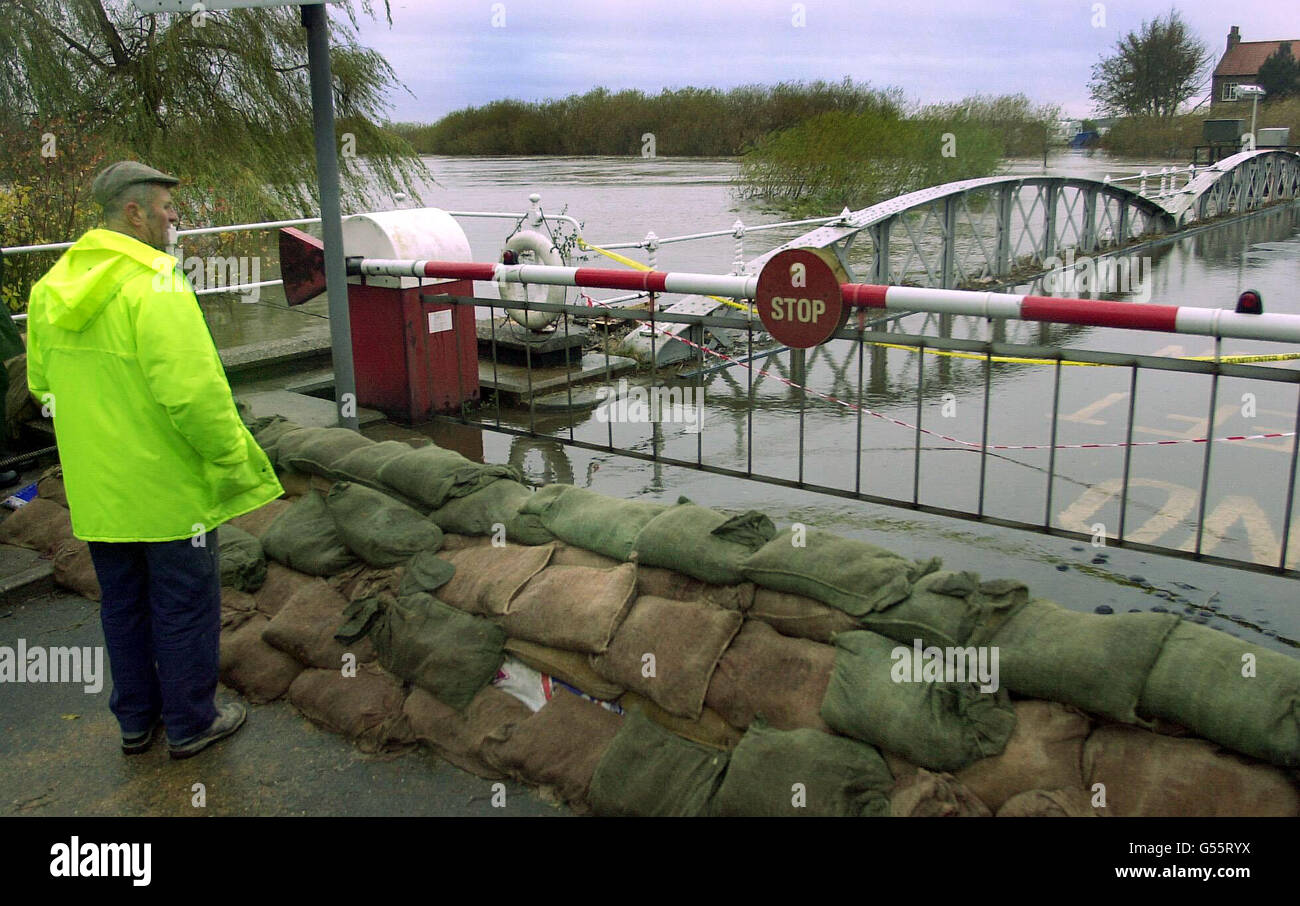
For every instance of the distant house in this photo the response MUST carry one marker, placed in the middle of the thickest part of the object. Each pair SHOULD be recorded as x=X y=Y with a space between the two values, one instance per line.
x=1241 y=62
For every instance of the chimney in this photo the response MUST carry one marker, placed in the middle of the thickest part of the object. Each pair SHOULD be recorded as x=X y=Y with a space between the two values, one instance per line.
x=1234 y=37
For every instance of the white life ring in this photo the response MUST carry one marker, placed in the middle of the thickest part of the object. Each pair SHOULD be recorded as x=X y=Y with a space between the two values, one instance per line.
x=531 y=247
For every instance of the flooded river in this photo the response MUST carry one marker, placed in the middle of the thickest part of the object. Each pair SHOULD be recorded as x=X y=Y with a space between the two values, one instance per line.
x=621 y=199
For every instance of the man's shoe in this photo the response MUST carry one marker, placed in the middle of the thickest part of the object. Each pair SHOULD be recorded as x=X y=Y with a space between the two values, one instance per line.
x=9 y=478
x=230 y=718
x=138 y=743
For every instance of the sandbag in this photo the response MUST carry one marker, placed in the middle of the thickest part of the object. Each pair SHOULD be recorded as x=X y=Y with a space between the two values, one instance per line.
x=243 y=565
x=234 y=599
x=439 y=648
x=257 y=521
x=452 y=541
x=592 y=521
x=709 y=729
x=74 y=568
x=1069 y=803
x=945 y=608
x=459 y=736
x=362 y=465
x=267 y=432
x=366 y=708
x=1148 y=775
x=482 y=511
x=667 y=583
x=1095 y=662
x=377 y=528
x=318 y=450
x=943 y=726
x=765 y=673
x=578 y=608
x=852 y=575
x=305 y=627
x=568 y=555
x=430 y=475
x=569 y=667
x=50 y=486
x=296 y=483
x=799 y=616
x=559 y=746
x=649 y=771
x=488 y=578
x=367 y=581
x=1197 y=682
x=694 y=540
x=425 y=572
x=281 y=584
x=1045 y=752
x=685 y=638
x=252 y=667
x=305 y=538
x=39 y=525
x=803 y=773
x=527 y=528
x=929 y=795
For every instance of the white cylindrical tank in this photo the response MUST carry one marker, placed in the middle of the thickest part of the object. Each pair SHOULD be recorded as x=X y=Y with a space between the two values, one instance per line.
x=429 y=234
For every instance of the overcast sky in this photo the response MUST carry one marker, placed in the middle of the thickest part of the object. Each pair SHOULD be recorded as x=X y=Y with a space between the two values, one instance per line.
x=452 y=55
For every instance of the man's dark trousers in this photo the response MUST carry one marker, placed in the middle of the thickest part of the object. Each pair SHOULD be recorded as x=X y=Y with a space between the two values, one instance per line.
x=160 y=605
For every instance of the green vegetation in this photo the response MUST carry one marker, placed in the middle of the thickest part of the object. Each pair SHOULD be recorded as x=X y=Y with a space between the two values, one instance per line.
x=1152 y=71
x=1280 y=74
x=839 y=160
x=219 y=99
x=687 y=122
x=1176 y=136
x=1025 y=128
x=805 y=147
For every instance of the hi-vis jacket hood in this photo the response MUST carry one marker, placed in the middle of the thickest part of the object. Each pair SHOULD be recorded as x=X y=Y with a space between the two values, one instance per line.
x=118 y=353
x=85 y=279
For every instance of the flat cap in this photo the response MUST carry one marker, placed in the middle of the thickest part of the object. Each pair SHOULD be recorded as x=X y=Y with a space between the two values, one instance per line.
x=116 y=177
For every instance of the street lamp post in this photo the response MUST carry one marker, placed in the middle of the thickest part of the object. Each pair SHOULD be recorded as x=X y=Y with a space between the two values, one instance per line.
x=1254 y=92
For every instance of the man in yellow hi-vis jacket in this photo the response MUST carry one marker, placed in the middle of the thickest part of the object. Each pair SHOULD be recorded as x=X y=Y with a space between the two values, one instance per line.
x=154 y=455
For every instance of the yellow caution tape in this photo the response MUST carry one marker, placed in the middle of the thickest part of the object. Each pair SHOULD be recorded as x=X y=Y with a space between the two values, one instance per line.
x=1227 y=359
x=628 y=262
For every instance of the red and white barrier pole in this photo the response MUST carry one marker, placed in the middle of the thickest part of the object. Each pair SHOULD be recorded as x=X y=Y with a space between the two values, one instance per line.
x=1211 y=322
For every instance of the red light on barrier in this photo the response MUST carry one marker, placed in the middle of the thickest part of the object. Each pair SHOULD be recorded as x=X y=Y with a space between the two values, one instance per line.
x=1250 y=303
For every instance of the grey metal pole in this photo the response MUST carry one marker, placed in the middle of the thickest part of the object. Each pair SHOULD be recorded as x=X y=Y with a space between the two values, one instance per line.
x=314 y=19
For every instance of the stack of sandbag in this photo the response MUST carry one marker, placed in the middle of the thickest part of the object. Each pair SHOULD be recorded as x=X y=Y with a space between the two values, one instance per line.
x=641 y=659
x=46 y=526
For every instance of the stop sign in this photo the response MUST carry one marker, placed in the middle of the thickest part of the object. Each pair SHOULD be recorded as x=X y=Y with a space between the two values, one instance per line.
x=798 y=297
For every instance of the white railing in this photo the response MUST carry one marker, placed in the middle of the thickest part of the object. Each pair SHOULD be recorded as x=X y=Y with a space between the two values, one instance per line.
x=1168 y=177
x=533 y=215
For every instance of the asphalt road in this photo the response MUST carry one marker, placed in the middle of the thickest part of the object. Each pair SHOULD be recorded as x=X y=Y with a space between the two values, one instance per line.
x=60 y=755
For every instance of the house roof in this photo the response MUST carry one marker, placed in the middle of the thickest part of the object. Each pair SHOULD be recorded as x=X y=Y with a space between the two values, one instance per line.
x=1245 y=58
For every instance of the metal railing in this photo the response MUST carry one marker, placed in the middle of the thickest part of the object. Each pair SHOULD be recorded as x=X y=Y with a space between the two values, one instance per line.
x=1168 y=180
x=898 y=398
x=738 y=230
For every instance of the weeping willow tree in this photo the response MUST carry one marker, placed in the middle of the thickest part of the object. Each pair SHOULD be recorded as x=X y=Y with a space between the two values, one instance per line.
x=221 y=99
